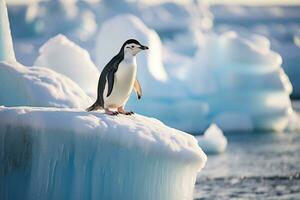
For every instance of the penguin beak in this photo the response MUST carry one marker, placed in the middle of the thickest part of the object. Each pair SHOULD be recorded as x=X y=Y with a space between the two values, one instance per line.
x=143 y=47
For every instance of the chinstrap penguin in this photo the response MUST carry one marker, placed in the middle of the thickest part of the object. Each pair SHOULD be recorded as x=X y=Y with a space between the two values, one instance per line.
x=117 y=80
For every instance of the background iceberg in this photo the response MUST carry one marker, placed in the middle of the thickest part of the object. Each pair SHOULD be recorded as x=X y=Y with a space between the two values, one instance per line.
x=38 y=86
x=230 y=76
x=171 y=17
x=65 y=57
x=6 y=46
x=49 y=153
x=280 y=24
x=241 y=75
x=213 y=141
x=60 y=16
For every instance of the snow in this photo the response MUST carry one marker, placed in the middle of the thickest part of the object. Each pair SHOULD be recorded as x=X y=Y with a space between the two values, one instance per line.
x=254 y=14
x=52 y=153
x=38 y=86
x=64 y=56
x=228 y=121
x=172 y=16
x=6 y=46
x=164 y=17
x=54 y=17
x=294 y=121
x=213 y=141
x=280 y=24
x=230 y=76
x=245 y=76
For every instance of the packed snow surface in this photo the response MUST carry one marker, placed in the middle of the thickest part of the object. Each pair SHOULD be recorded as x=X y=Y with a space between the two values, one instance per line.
x=38 y=86
x=66 y=57
x=6 y=46
x=213 y=141
x=51 y=153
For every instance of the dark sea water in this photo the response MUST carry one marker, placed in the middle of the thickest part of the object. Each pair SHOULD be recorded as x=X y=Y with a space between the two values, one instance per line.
x=254 y=166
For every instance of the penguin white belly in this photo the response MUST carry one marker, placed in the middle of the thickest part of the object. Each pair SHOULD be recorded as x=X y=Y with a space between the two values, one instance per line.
x=123 y=84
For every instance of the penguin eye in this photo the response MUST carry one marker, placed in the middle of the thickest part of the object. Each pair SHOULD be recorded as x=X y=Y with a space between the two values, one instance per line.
x=132 y=46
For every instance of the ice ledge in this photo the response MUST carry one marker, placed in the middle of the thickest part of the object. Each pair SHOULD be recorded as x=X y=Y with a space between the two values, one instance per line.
x=148 y=134
x=72 y=154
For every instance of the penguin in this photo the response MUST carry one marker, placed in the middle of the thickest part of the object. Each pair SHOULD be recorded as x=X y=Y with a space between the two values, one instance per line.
x=118 y=79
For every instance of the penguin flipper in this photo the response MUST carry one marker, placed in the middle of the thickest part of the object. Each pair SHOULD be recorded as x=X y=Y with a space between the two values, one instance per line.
x=107 y=74
x=110 y=82
x=138 y=89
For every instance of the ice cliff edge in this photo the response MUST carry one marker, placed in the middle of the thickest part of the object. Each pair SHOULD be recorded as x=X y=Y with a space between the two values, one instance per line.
x=54 y=153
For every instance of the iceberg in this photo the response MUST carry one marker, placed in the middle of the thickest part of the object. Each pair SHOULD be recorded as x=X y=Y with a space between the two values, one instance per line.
x=64 y=56
x=166 y=18
x=174 y=17
x=52 y=153
x=291 y=58
x=231 y=77
x=294 y=121
x=38 y=86
x=241 y=75
x=213 y=141
x=6 y=45
x=278 y=23
x=47 y=18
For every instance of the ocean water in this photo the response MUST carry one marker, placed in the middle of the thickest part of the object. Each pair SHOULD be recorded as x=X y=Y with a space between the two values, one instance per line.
x=254 y=166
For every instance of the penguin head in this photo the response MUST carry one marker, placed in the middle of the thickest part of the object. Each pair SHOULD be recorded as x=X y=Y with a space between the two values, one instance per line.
x=133 y=47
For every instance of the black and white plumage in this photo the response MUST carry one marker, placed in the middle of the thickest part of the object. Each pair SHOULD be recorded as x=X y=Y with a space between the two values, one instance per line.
x=118 y=78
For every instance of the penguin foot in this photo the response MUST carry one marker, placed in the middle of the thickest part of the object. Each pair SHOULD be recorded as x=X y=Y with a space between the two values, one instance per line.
x=124 y=112
x=112 y=113
x=129 y=113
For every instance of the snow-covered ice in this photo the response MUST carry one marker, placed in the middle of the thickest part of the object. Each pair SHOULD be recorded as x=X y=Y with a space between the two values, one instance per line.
x=6 y=45
x=166 y=18
x=51 y=153
x=242 y=75
x=38 y=86
x=213 y=141
x=171 y=16
x=294 y=121
x=64 y=56
x=280 y=24
x=231 y=76
x=60 y=16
